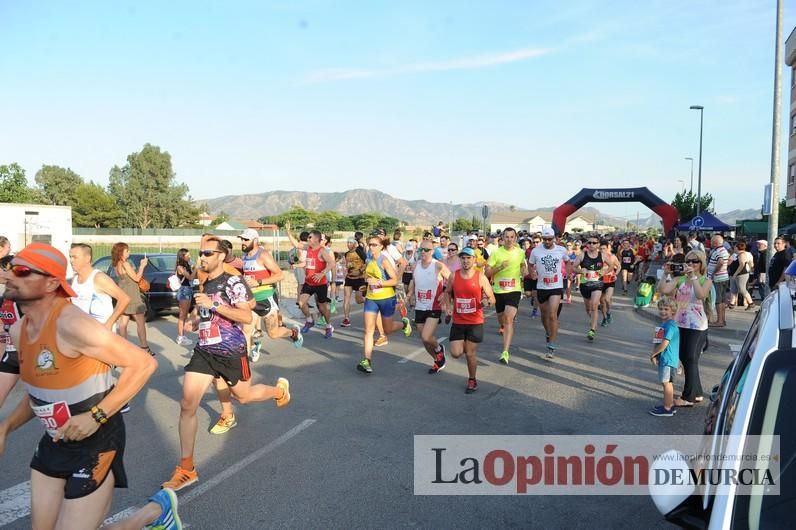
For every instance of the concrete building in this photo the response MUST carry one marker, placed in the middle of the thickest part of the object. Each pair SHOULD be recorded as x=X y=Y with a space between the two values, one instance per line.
x=536 y=221
x=790 y=176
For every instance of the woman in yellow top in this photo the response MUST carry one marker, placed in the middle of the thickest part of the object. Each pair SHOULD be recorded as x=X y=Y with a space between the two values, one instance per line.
x=381 y=279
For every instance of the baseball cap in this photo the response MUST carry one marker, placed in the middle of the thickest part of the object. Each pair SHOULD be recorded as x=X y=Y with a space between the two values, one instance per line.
x=467 y=251
x=472 y=237
x=409 y=246
x=548 y=232
x=352 y=240
x=249 y=233
x=762 y=243
x=47 y=259
x=378 y=232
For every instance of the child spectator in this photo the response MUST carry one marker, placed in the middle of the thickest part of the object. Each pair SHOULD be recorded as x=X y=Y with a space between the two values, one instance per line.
x=665 y=354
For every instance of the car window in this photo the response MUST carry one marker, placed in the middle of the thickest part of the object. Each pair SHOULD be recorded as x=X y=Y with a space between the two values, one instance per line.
x=164 y=262
x=772 y=414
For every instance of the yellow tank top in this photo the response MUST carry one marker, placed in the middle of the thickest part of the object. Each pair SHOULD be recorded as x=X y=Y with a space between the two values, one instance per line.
x=373 y=270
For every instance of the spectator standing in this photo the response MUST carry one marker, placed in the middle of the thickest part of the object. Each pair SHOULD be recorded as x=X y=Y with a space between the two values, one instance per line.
x=186 y=274
x=717 y=273
x=127 y=278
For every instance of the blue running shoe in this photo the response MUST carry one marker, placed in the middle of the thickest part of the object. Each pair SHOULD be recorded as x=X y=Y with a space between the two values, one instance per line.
x=329 y=332
x=169 y=518
x=307 y=326
x=298 y=338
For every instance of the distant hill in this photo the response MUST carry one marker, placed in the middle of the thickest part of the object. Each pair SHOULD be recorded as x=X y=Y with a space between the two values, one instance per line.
x=416 y=212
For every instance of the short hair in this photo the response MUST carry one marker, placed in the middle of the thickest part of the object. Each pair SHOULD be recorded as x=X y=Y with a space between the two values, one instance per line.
x=3 y=241
x=221 y=245
x=304 y=236
x=83 y=246
x=741 y=245
x=667 y=302
x=507 y=229
x=316 y=233
x=5 y=262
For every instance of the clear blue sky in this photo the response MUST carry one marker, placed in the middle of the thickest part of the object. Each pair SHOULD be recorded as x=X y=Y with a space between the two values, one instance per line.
x=520 y=102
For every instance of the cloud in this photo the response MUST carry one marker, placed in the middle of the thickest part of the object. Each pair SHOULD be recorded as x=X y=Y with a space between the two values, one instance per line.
x=462 y=63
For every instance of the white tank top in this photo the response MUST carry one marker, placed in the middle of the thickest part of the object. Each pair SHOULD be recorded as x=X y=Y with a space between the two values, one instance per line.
x=98 y=305
x=427 y=286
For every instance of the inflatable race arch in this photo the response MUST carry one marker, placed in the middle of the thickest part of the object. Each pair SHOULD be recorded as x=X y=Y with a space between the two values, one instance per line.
x=667 y=212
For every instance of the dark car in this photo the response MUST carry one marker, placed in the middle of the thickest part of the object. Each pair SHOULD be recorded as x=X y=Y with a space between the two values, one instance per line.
x=157 y=272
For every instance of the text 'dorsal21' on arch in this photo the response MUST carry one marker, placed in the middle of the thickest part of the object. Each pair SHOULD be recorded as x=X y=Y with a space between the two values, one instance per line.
x=667 y=212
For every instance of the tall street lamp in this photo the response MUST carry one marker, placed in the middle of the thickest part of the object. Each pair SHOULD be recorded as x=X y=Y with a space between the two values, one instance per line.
x=681 y=181
x=692 y=173
x=700 y=108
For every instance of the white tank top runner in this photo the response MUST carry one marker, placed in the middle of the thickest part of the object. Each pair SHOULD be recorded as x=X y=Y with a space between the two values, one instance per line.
x=427 y=286
x=98 y=305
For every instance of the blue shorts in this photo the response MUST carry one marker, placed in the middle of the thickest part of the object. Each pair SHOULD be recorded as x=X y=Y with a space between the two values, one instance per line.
x=184 y=293
x=386 y=306
x=665 y=373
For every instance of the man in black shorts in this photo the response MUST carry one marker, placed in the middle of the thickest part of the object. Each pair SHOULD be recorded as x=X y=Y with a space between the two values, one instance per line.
x=355 y=259
x=627 y=260
x=67 y=371
x=222 y=308
x=466 y=294
x=546 y=267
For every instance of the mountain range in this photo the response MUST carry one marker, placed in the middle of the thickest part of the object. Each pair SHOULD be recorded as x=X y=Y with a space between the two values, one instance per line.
x=417 y=212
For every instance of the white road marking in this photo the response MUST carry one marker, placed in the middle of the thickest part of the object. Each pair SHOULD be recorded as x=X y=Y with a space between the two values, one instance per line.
x=418 y=352
x=228 y=472
x=14 y=503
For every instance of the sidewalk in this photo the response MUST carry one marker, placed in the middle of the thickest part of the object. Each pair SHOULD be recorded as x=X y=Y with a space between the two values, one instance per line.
x=722 y=340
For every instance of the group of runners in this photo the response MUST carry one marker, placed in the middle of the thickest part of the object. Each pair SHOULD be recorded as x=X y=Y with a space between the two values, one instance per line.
x=79 y=375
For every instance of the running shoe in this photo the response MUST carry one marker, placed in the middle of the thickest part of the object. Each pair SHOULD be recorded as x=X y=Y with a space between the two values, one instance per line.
x=504 y=357
x=285 y=386
x=604 y=323
x=534 y=313
x=346 y=323
x=439 y=362
x=407 y=326
x=472 y=386
x=551 y=352
x=125 y=409
x=184 y=341
x=660 y=411
x=321 y=322
x=568 y=300
x=254 y=356
x=364 y=366
x=610 y=318
x=169 y=518
x=307 y=326
x=181 y=478
x=591 y=334
x=329 y=332
x=224 y=424
x=382 y=341
x=333 y=307
x=297 y=338
x=258 y=334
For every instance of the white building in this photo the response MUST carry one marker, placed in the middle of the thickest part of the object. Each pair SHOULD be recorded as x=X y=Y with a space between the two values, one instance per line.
x=537 y=221
x=26 y=223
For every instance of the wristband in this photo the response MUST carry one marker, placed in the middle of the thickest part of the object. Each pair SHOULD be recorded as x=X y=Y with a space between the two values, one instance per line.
x=99 y=415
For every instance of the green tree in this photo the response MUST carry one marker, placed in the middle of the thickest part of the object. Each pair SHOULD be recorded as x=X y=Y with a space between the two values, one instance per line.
x=787 y=214
x=94 y=207
x=14 y=185
x=388 y=223
x=147 y=192
x=464 y=225
x=328 y=221
x=365 y=221
x=57 y=185
x=222 y=217
x=686 y=201
x=297 y=216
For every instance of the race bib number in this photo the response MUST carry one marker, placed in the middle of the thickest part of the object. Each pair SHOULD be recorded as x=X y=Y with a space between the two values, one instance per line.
x=424 y=295
x=209 y=333
x=5 y=338
x=507 y=283
x=465 y=306
x=626 y=259
x=310 y=264
x=52 y=416
x=592 y=276
x=549 y=280
x=658 y=337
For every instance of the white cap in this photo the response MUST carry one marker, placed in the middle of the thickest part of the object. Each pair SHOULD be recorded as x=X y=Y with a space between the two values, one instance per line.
x=409 y=246
x=249 y=233
x=548 y=232
x=472 y=237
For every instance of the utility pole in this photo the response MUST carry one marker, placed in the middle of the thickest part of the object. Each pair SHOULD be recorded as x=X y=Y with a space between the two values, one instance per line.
x=773 y=219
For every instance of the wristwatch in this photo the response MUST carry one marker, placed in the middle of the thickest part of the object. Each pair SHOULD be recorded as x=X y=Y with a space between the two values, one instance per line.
x=215 y=306
x=99 y=415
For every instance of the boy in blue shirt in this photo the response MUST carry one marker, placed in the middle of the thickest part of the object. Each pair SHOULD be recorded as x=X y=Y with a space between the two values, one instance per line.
x=665 y=355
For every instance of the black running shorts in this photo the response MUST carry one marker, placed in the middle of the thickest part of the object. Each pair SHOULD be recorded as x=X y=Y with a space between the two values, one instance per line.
x=468 y=332
x=422 y=315
x=543 y=295
x=319 y=291
x=85 y=464
x=587 y=288
x=355 y=283
x=9 y=364
x=507 y=299
x=528 y=285
x=230 y=369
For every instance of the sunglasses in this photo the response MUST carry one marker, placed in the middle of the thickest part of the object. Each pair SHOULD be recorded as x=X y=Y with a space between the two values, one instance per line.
x=452 y=249
x=692 y=261
x=244 y=239
x=546 y=239
x=23 y=271
x=423 y=249
x=208 y=253
x=594 y=242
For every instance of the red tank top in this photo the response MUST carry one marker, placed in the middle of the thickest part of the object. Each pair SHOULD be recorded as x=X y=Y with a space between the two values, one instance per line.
x=467 y=308
x=314 y=265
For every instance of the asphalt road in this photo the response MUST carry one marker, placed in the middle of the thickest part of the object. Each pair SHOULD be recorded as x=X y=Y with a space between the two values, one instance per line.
x=341 y=455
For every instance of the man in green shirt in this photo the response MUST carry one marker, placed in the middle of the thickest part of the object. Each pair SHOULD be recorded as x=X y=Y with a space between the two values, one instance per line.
x=505 y=269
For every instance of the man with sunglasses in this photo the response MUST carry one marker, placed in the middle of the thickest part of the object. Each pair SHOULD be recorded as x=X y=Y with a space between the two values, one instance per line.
x=425 y=290
x=549 y=264
x=505 y=268
x=592 y=265
x=221 y=351
x=67 y=371
x=467 y=293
